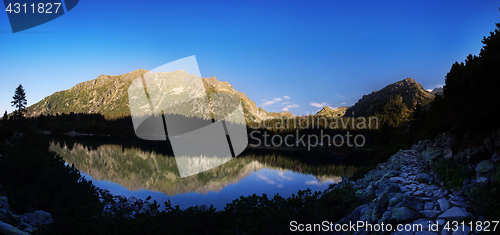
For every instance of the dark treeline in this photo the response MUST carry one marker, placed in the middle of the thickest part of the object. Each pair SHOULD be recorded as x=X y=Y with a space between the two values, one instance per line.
x=83 y=123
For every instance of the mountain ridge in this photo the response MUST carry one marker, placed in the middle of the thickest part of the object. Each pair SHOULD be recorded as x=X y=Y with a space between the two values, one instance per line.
x=406 y=91
x=107 y=95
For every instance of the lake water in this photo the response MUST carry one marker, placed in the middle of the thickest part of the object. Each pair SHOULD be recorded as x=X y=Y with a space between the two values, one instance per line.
x=136 y=168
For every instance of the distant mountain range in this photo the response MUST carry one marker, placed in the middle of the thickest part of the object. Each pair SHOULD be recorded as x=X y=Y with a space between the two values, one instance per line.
x=107 y=95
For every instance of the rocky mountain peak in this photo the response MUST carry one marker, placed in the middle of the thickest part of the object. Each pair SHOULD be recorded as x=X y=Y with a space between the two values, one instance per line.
x=409 y=91
x=329 y=112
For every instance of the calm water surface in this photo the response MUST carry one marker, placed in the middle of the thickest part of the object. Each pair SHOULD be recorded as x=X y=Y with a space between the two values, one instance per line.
x=140 y=169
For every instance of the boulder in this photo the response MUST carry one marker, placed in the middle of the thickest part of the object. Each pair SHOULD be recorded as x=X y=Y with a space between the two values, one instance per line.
x=364 y=195
x=424 y=178
x=448 y=153
x=488 y=144
x=411 y=202
x=482 y=181
x=132 y=200
x=444 y=205
x=446 y=139
x=429 y=205
x=122 y=198
x=37 y=218
x=386 y=217
x=7 y=217
x=4 y=203
x=403 y=214
x=455 y=213
x=383 y=198
x=8 y=229
x=485 y=166
x=366 y=213
x=377 y=213
x=396 y=179
x=430 y=214
x=471 y=155
x=495 y=158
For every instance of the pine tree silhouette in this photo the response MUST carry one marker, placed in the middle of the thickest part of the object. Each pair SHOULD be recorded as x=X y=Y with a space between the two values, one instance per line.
x=20 y=103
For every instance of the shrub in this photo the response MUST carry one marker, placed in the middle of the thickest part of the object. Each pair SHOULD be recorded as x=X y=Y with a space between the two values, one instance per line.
x=486 y=200
x=452 y=174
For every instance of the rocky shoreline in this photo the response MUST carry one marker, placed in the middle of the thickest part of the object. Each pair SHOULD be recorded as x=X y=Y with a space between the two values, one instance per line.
x=405 y=190
x=14 y=224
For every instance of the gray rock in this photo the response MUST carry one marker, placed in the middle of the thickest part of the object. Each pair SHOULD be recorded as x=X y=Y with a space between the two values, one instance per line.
x=364 y=195
x=4 y=203
x=447 y=139
x=411 y=202
x=396 y=179
x=402 y=214
x=438 y=193
x=448 y=153
x=482 y=181
x=429 y=206
x=424 y=178
x=26 y=227
x=366 y=213
x=443 y=204
x=485 y=166
x=132 y=200
x=7 y=217
x=395 y=198
x=455 y=213
x=430 y=214
x=37 y=218
x=418 y=193
x=404 y=189
x=8 y=229
x=458 y=203
x=383 y=198
x=495 y=158
x=122 y=198
x=386 y=217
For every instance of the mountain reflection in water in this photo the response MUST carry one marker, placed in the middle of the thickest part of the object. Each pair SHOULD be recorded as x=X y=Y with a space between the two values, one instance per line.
x=136 y=169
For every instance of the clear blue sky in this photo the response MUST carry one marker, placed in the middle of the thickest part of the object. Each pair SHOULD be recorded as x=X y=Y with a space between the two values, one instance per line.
x=313 y=52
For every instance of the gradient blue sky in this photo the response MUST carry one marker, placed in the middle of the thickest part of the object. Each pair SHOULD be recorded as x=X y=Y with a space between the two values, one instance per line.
x=311 y=52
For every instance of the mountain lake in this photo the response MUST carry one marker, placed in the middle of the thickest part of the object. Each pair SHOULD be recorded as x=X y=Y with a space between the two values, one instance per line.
x=131 y=167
